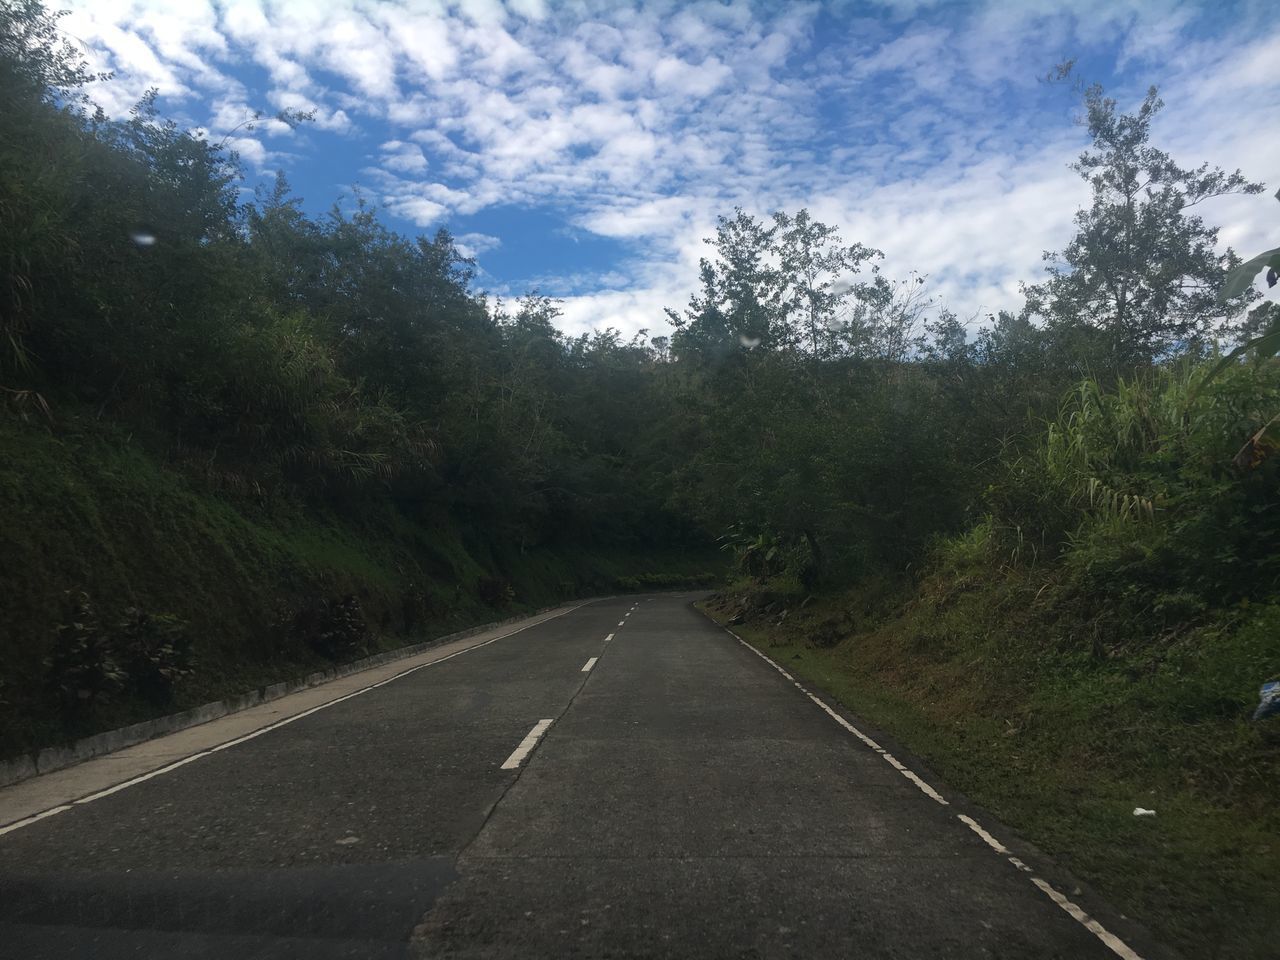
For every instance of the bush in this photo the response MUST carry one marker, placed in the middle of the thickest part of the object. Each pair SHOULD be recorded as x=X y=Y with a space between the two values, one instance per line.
x=94 y=663
x=1142 y=491
x=494 y=592
x=335 y=629
x=83 y=670
x=155 y=650
x=663 y=581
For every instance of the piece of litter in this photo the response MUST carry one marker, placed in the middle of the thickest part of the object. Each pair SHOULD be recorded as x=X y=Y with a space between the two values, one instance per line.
x=1143 y=812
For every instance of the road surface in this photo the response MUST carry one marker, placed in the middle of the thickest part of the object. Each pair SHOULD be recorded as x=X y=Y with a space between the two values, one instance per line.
x=624 y=780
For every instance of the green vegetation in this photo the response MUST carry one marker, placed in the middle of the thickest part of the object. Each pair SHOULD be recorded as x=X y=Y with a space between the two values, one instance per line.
x=1093 y=643
x=237 y=441
x=259 y=591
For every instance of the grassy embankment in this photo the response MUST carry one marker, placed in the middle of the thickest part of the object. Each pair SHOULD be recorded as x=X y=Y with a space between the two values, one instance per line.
x=1001 y=680
x=91 y=509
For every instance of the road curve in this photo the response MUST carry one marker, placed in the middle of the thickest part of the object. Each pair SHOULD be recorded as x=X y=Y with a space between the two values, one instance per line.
x=624 y=780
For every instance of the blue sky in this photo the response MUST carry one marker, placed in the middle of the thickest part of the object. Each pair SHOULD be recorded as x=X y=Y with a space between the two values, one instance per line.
x=586 y=148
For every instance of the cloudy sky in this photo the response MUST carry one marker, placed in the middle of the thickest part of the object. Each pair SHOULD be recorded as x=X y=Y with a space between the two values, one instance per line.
x=584 y=149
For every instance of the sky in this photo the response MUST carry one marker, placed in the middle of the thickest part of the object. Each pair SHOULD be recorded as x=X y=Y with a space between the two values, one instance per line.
x=585 y=149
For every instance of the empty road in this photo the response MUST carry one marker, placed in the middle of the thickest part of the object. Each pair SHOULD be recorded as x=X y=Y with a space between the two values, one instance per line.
x=622 y=780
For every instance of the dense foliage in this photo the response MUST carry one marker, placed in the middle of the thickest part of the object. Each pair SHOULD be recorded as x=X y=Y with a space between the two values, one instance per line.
x=275 y=352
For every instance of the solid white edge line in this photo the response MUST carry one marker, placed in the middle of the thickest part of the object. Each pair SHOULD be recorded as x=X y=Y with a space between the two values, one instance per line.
x=590 y=663
x=526 y=745
x=920 y=784
x=27 y=821
x=19 y=824
x=1114 y=943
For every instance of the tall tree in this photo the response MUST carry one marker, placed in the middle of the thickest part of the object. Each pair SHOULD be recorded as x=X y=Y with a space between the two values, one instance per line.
x=1142 y=269
x=739 y=288
x=783 y=286
x=815 y=269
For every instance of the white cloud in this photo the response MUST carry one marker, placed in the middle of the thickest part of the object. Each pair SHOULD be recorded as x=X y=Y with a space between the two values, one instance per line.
x=918 y=127
x=401 y=157
x=700 y=80
x=474 y=244
x=420 y=211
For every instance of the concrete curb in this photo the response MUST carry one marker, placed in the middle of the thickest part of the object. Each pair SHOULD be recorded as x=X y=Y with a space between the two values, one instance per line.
x=56 y=758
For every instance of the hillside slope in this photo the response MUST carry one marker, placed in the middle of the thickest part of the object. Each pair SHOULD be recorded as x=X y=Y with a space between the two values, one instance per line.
x=257 y=583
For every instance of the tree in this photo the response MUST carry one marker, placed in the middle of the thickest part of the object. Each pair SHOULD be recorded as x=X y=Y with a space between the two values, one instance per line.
x=41 y=103
x=735 y=305
x=1141 y=270
x=815 y=268
x=778 y=287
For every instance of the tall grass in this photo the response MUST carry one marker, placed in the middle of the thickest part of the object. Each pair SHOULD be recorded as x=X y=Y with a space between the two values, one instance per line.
x=1145 y=493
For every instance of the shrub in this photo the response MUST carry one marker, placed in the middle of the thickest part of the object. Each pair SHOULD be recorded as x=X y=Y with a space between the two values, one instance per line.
x=335 y=629
x=155 y=650
x=83 y=670
x=93 y=663
x=1145 y=492
x=495 y=592
x=662 y=581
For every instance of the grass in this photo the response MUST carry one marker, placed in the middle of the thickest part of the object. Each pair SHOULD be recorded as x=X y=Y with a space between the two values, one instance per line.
x=999 y=683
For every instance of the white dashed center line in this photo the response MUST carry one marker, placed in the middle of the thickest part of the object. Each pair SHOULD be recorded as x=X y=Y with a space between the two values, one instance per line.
x=527 y=745
x=590 y=663
x=160 y=771
x=608 y=638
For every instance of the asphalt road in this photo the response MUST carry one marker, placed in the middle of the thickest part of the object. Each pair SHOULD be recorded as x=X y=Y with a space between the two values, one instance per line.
x=686 y=800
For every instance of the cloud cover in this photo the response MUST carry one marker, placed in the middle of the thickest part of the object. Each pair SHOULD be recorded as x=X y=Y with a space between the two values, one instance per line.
x=916 y=127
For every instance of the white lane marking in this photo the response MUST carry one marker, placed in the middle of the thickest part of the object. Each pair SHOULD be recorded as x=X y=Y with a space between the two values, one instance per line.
x=146 y=776
x=608 y=638
x=527 y=745
x=19 y=824
x=1116 y=945
x=927 y=790
x=619 y=623
x=590 y=663
x=924 y=788
x=990 y=841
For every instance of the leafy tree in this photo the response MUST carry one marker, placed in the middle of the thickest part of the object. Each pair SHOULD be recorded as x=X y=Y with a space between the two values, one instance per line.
x=815 y=269
x=784 y=286
x=1142 y=269
x=736 y=305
